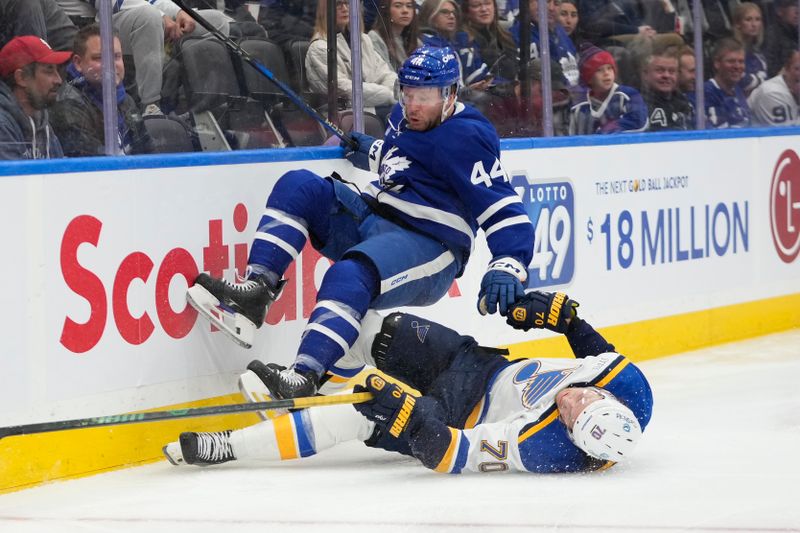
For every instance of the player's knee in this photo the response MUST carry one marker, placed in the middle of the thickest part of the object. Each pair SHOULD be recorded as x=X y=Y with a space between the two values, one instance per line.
x=351 y=281
x=297 y=190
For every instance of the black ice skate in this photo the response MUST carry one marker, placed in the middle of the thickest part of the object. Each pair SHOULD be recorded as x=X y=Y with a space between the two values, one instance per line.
x=253 y=389
x=201 y=449
x=283 y=383
x=237 y=309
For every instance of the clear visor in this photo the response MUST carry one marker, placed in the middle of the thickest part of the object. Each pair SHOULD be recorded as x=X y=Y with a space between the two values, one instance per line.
x=424 y=96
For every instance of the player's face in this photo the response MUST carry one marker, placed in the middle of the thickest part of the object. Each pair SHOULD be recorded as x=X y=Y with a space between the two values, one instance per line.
x=686 y=73
x=90 y=64
x=572 y=401
x=42 y=86
x=445 y=19
x=750 y=26
x=423 y=107
x=603 y=80
x=662 y=74
x=480 y=12
x=568 y=15
x=401 y=12
x=730 y=67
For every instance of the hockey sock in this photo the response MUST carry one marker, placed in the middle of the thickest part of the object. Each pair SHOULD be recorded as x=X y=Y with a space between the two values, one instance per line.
x=344 y=297
x=300 y=434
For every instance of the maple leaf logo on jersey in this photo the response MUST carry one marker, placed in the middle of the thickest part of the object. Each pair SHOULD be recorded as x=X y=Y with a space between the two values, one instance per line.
x=391 y=164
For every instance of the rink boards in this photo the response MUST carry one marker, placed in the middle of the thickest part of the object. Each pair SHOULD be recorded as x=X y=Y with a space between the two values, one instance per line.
x=674 y=243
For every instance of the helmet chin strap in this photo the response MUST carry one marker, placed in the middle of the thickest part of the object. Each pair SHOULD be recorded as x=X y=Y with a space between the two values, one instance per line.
x=446 y=110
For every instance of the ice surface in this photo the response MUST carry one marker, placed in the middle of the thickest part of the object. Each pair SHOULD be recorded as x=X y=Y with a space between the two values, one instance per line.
x=721 y=454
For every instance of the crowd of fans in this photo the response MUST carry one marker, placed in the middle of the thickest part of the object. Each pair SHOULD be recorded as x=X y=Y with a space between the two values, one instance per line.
x=616 y=65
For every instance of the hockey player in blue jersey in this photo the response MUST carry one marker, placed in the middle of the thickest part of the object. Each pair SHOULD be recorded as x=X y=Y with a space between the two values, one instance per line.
x=607 y=107
x=478 y=411
x=401 y=242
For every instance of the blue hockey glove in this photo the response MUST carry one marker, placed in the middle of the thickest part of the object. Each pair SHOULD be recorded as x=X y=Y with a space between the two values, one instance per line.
x=538 y=309
x=391 y=408
x=360 y=155
x=502 y=285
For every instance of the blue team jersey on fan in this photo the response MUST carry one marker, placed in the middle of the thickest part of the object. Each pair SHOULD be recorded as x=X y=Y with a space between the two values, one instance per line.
x=448 y=181
x=724 y=110
x=623 y=110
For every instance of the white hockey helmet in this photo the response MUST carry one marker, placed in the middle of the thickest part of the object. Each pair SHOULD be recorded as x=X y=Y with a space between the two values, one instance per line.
x=606 y=429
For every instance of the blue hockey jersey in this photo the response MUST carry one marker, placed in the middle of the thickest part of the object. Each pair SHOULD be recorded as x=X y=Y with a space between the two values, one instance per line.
x=562 y=49
x=448 y=181
x=623 y=110
x=724 y=110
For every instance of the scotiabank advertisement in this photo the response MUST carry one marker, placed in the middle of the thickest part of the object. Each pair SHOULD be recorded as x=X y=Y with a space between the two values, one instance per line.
x=97 y=263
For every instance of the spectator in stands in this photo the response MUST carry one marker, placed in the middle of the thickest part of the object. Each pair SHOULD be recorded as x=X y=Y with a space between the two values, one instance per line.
x=395 y=33
x=30 y=81
x=43 y=18
x=570 y=19
x=776 y=102
x=495 y=43
x=782 y=35
x=440 y=22
x=562 y=50
x=686 y=70
x=725 y=103
x=143 y=26
x=378 y=77
x=669 y=108
x=608 y=107
x=748 y=29
x=77 y=116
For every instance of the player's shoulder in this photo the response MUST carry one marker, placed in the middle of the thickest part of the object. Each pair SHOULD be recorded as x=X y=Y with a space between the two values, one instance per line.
x=466 y=127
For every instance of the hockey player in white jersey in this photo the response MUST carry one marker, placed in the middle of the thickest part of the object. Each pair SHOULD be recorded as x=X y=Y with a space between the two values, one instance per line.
x=401 y=242
x=478 y=411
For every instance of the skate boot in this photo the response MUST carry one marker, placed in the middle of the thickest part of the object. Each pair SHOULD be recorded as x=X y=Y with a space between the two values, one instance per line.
x=252 y=387
x=283 y=383
x=201 y=449
x=237 y=309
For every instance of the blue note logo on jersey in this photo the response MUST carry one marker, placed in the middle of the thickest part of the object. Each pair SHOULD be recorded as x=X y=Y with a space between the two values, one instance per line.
x=538 y=385
x=551 y=207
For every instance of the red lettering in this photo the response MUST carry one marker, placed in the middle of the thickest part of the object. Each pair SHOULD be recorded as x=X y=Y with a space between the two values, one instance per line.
x=177 y=262
x=77 y=337
x=134 y=330
x=215 y=255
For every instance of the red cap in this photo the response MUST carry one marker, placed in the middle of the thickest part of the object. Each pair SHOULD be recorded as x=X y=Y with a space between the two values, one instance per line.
x=22 y=51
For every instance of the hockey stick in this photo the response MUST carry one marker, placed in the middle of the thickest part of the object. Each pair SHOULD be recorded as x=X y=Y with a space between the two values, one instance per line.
x=133 y=418
x=256 y=64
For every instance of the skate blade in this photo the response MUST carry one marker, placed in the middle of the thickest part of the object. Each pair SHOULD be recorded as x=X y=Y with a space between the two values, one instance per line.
x=235 y=326
x=172 y=452
x=253 y=390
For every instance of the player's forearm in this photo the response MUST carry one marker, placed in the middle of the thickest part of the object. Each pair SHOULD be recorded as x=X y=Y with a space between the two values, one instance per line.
x=585 y=341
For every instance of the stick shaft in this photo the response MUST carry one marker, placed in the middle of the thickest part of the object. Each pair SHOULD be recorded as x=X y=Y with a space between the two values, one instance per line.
x=256 y=64
x=153 y=416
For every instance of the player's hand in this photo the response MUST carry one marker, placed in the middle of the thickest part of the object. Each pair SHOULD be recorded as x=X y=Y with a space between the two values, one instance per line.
x=501 y=286
x=359 y=156
x=391 y=408
x=538 y=309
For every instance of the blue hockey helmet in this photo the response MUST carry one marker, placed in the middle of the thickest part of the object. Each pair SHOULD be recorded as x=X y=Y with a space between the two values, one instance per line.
x=430 y=66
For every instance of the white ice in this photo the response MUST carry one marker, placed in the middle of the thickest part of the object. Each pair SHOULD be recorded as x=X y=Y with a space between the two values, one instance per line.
x=721 y=454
